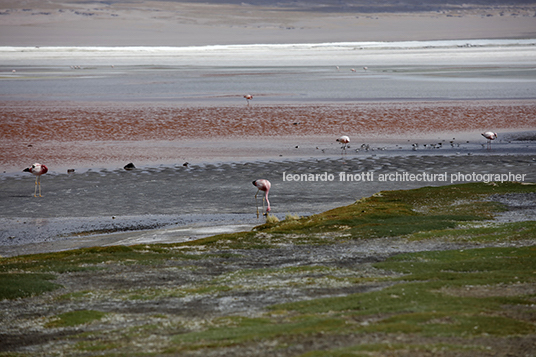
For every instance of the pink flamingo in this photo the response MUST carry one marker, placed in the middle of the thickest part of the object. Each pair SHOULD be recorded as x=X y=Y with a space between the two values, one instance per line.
x=37 y=170
x=248 y=97
x=344 y=140
x=263 y=185
x=490 y=135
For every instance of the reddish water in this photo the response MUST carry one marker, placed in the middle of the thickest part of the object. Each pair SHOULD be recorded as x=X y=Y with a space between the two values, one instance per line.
x=73 y=133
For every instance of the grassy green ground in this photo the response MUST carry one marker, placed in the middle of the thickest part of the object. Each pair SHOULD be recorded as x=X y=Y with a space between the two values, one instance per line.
x=417 y=272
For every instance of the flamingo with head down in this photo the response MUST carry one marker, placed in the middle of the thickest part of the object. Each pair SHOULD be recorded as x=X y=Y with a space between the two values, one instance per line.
x=490 y=135
x=37 y=170
x=263 y=185
x=344 y=140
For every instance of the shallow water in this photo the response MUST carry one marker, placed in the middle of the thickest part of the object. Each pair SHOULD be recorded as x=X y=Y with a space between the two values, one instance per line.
x=268 y=85
x=179 y=202
x=72 y=135
x=475 y=69
x=96 y=109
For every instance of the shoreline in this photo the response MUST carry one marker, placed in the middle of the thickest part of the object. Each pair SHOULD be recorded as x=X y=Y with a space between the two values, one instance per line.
x=165 y=204
x=239 y=284
x=383 y=56
x=227 y=151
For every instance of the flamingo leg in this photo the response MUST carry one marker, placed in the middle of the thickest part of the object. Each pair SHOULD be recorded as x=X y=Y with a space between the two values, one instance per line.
x=343 y=149
x=39 y=184
x=257 y=204
x=35 y=187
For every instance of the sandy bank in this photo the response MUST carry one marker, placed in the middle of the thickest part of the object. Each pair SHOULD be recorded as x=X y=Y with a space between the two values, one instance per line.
x=79 y=23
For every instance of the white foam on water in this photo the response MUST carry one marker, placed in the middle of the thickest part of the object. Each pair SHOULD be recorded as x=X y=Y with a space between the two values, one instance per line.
x=341 y=53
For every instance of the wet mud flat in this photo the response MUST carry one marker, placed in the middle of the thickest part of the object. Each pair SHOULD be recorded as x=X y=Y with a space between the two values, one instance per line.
x=180 y=203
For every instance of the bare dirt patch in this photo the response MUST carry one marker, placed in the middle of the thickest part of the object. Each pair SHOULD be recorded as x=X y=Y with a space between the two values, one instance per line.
x=486 y=291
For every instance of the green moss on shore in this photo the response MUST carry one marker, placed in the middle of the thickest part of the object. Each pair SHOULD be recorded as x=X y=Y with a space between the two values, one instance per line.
x=474 y=294
x=416 y=214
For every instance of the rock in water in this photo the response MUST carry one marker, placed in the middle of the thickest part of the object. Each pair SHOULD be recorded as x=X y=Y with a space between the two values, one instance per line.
x=129 y=166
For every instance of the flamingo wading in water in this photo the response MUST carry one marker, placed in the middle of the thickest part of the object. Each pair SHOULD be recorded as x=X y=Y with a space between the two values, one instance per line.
x=262 y=185
x=37 y=170
x=490 y=135
x=248 y=97
x=344 y=140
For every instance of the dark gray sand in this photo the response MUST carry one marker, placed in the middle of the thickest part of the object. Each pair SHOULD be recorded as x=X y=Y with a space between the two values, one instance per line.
x=174 y=203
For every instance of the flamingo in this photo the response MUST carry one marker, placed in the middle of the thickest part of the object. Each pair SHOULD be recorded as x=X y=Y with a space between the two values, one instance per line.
x=344 y=140
x=263 y=185
x=38 y=170
x=490 y=135
x=248 y=97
